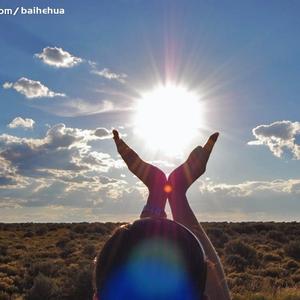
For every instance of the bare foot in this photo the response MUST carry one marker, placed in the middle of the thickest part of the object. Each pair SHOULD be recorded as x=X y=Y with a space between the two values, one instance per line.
x=154 y=178
x=183 y=176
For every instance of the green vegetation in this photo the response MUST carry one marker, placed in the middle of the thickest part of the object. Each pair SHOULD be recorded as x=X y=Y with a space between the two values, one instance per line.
x=55 y=261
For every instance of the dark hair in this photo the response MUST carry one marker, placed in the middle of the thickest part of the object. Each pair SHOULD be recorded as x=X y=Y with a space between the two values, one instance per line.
x=146 y=251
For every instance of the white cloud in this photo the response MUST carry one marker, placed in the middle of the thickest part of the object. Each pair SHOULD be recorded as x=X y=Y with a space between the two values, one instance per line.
x=279 y=136
x=31 y=89
x=108 y=74
x=57 y=169
x=259 y=200
x=62 y=148
x=249 y=188
x=81 y=107
x=9 y=177
x=103 y=133
x=59 y=58
x=7 y=85
x=20 y=122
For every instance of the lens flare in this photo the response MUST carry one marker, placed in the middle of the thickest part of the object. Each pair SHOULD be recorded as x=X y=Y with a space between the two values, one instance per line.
x=152 y=272
x=168 y=188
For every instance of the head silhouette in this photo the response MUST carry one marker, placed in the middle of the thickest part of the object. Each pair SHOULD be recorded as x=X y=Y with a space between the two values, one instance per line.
x=151 y=259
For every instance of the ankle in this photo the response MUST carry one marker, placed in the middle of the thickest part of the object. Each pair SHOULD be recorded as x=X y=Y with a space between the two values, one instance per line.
x=157 y=198
x=177 y=185
x=177 y=193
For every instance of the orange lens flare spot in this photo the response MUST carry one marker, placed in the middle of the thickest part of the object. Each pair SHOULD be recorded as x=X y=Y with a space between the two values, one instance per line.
x=168 y=188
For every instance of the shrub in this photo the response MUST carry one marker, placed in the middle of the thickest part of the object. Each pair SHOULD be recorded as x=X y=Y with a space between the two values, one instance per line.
x=41 y=230
x=273 y=271
x=277 y=236
x=239 y=279
x=261 y=227
x=296 y=278
x=293 y=250
x=236 y=261
x=80 y=228
x=257 y=297
x=292 y=265
x=4 y=296
x=82 y=281
x=68 y=250
x=9 y=270
x=47 y=268
x=28 y=234
x=97 y=228
x=237 y=247
x=251 y=297
x=20 y=247
x=5 y=259
x=89 y=250
x=6 y=284
x=246 y=228
x=291 y=296
x=43 y=289
x=271 y=257
x=3 y=250
x=218 y=237
x=62 y=242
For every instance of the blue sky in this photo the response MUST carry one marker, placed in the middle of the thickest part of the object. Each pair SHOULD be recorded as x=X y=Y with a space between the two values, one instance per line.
x=65 y=76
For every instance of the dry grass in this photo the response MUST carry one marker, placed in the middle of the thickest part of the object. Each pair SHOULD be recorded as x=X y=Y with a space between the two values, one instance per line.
x=261 y=260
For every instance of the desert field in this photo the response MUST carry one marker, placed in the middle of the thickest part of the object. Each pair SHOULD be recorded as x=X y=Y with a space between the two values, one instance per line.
x=54 y=261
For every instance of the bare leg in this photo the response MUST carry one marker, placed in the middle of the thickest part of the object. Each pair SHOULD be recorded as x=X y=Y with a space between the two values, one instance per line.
x=180 y=180
x=151 y=176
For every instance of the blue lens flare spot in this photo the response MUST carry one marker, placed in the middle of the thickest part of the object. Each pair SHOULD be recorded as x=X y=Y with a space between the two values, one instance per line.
x=155 y=270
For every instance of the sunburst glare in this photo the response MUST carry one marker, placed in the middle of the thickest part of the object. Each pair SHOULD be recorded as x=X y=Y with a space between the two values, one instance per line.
x=168 y=117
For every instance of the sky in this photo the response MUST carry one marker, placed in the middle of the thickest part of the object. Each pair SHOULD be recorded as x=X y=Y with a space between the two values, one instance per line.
x=68 y=79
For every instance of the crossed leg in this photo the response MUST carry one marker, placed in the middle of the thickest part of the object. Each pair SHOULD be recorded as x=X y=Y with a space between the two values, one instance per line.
x=179 y=180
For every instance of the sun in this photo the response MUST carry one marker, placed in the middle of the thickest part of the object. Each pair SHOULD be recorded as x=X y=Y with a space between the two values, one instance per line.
x=168 y=118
